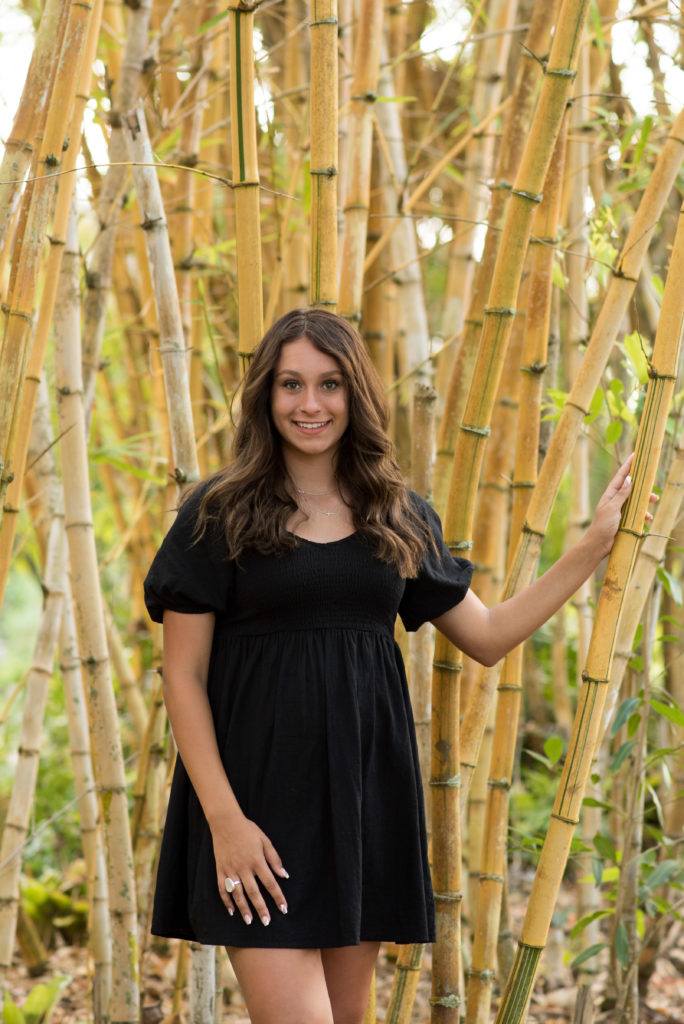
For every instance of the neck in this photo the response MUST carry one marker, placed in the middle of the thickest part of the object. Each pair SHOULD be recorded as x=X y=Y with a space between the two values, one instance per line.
x=311 y=474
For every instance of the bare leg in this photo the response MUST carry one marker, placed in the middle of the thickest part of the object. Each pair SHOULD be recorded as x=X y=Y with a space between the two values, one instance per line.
x=282 y=986
x=348 y=974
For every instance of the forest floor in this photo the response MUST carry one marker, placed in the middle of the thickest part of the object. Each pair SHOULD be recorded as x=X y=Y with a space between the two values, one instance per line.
x=553 y=1002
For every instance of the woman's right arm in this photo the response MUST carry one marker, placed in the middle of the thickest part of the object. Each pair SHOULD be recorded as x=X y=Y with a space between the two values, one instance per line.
x=241 y=849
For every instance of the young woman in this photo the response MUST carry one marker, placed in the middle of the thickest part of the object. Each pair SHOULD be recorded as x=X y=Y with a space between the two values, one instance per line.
x=295 y=831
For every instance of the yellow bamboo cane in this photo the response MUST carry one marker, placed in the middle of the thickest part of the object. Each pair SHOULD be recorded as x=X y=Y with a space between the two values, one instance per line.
x=47 y=300
x=588 y=724
x=359 y=151
x=20 y=304
x=245 y=177
x=576 y=408
x=515 y=131
x=103 y=716
x=324 y=157
x=21 y=140
x=481 y=972
x=446 y=779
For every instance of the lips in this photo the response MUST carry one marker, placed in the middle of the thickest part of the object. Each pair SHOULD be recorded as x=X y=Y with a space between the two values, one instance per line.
x=311 y=427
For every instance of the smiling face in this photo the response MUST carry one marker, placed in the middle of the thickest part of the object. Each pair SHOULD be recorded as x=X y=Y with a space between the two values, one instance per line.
x=309 y=400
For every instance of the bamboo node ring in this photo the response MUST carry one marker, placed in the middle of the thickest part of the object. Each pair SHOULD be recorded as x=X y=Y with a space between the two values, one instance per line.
x=326 y=172
x=461 y=545
x=501 y=310
x=487 y=876
x=449 y=897
x=534 y=368
x=28 y=752
x=152 y=222
x=469 y=764
x=447 y=666
x=521 y=484
x=654 y=375
x=503 y=783
x=480 y=431
x=510 y=687
x=245 y=184
x=366 y=97
x=486 y=975
x=561 y=72
x=529 y=945
x=509 y=403
x=534 y=197
x=586 y=678
x=324 y=21
x=634 y=533
x=567 y=821
x=451 y=1002
x=526 y=528
x=453 y=783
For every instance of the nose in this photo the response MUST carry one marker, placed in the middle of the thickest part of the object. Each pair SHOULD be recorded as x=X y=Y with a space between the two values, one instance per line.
x=310 y=401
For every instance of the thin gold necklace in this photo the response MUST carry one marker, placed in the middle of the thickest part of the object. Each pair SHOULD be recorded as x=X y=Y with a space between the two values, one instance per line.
x=317 y=494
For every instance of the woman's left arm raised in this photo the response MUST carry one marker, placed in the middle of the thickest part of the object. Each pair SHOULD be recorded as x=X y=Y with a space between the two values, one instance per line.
x=487 y=634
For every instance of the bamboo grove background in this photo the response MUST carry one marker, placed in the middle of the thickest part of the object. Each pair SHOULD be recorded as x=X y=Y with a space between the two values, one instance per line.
x=479 y=188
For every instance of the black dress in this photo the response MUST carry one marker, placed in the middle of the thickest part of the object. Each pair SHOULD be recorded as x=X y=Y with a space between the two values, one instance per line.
x=313 y=720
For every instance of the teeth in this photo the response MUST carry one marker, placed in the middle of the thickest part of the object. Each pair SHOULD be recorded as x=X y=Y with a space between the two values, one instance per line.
x=311 y=426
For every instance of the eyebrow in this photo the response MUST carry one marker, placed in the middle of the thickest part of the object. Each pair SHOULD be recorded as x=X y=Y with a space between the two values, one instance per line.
x=296 y=373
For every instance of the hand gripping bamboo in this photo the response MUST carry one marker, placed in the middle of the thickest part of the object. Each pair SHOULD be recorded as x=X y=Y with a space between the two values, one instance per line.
x=588 y=724
x=600 y=345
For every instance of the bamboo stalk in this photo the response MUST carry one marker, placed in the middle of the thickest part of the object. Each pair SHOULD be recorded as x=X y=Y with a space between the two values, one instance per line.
x=510 y=153
x=359 y=151
x=587 y=727
x=20 y=302
x=481 y=972
x=22 y=795
x=148 y=801
x=99 y=275
x=576 y=407
x=324 y=156
x=245 y=177
x=99 y=932
x=20 y=143
x=103 y=718
x=171 y=341
x=468 y=456
x=47 y=301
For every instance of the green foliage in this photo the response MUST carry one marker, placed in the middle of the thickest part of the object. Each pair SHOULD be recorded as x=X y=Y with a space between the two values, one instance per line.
x=39 y=1003
x=57 y=905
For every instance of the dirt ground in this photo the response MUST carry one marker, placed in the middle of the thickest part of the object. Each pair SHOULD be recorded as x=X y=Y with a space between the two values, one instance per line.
x=553 y=1001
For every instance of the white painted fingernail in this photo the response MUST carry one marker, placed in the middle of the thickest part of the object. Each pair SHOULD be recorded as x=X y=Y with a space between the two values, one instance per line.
x=248 y=919
x=283 y=873
x=231 y=911
x=628 y=479
x=265 y=920
x=283 y=908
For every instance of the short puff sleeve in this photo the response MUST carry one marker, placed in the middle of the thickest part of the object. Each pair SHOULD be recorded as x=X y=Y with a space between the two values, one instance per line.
x=188 y=574
x=442 y=581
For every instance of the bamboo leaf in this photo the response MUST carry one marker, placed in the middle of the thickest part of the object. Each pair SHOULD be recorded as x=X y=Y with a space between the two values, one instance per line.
x=672 y=585
x=604 y=847
x=553 y=748
x=613 y=431
x=672 y=714
x=637 y=357
x=660 y=875
x=42 y=999
x=587 y=954
x=590 y=801
x=11 y=1014
x=623 y=752
x=623 y=713
x=622 y=945
x=596 y=915
x=595 y=407
x=633 y=725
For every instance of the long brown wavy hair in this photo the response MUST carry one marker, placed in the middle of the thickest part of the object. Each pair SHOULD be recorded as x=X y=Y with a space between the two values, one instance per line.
x=251 y=499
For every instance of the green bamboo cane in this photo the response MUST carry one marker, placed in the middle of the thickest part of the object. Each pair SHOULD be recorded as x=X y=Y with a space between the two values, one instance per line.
x=446 y=779
x=588 y=724
x=613 y=309
x=324 y=157
x=245 y=177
